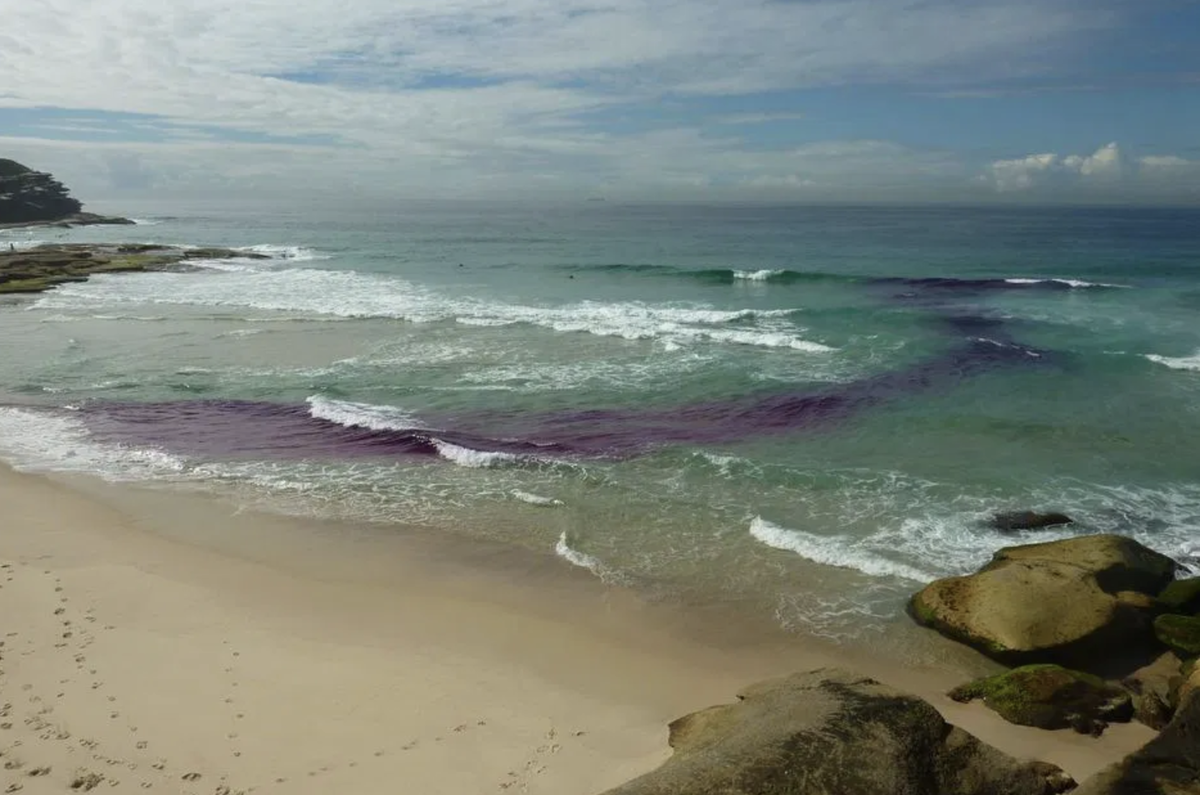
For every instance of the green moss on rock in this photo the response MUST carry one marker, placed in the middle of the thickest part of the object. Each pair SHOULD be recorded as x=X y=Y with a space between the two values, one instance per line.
x=1051 y=697
x=1182 y=596
x=1181 y=634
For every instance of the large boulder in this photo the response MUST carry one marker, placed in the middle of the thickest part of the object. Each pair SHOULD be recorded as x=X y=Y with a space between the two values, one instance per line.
x=1167 y=765
x=831 y=732
x=1066 y=602
x=1051 y=697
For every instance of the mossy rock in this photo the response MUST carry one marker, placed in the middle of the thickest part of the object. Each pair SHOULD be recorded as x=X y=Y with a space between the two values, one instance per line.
x=1182 y=596
x=1180 y=634
x=1051 y=697
x=833 y=732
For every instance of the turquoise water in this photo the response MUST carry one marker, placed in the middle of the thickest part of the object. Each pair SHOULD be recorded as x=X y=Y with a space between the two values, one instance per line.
x=806 y=410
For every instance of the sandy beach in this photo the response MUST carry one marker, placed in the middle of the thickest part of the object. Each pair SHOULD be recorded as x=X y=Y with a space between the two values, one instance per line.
x=169 y=642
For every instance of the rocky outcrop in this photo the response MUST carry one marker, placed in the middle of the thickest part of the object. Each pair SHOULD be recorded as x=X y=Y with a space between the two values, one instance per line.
x=831 y=732
x=1051 y=697
x=1167 y=765
x=29 y=197
x=1180 y=634
x=1154 y=688
x=1071 y=601
x=1182 y=596
x=39 y=269
x=1027 y=520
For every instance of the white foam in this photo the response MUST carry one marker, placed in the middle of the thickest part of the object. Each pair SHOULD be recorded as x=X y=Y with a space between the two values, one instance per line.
x=474 y=459
x=765 y=339
x=1177 y=363
x=346 y=294
x=757 y=276
x=294 y=253
x=361 y=415
x=1009 y=346
x=145 y=221
x=726 y=464
x=534 y=499
x=839 y=551
x=1069 y=282
x=34 y=440
x=22 y=245
x=577 y=558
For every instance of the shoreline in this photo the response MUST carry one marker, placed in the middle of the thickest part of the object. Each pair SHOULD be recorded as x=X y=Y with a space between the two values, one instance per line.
x=250 y=648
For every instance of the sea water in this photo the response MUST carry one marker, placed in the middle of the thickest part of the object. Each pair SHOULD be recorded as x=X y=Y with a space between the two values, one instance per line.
x=807 y=410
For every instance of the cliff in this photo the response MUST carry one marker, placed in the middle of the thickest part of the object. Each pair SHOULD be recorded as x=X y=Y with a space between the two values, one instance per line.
x=29 y=197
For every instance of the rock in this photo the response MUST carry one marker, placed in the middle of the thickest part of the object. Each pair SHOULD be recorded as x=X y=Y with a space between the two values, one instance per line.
x=1180 y=634
x=1071 y=601
x=831 y=732
x=39 y=269
x=1167 y=765
x=1118 y=563
x=34 y=197
x=1182 y=596
x=1151 y=687
x=1187 y=684
x=1028 y=520
x=1051 y=697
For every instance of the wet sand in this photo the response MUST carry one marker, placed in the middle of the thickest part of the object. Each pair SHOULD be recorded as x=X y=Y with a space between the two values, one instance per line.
x=173 y=643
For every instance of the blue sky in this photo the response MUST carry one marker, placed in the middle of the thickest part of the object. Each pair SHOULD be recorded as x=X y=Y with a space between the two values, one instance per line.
x=793 y=100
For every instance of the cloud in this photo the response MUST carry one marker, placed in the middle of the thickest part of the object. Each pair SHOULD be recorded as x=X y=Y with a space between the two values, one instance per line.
x=1107 y=172
x=746 y=119
x=1024 y=173
x=430 y=96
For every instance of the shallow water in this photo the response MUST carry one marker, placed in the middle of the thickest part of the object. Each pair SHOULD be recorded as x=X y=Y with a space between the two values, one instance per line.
x=809 y=410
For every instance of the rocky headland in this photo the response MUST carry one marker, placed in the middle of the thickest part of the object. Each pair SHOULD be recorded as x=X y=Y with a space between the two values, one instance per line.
x=38 y=269
x=35 y=198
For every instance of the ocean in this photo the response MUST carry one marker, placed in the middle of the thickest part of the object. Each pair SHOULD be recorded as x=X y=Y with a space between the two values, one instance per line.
x=807 y=412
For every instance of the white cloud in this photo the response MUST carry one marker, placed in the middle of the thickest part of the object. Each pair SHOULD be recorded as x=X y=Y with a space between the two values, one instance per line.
x=1024 y=173
x=1106 y=173
x=1021 y=173
x=469 y=97
x=428 y=91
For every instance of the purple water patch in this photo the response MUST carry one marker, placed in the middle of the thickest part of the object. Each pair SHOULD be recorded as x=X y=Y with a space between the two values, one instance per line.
x=227 y=429
x=230 y=429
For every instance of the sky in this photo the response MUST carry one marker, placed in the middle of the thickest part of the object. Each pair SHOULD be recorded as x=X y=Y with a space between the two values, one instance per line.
x=1080 y=101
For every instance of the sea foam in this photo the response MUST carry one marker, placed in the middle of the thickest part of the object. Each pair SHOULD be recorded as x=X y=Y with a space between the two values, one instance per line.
x=1177 y=363
x=838 y=551
x=1075 y=283
x=345 y=294
x=474 y=459
x=577 y=558
x=758 y=276
x=39 y=440
x=534 y=499
x=361 y=415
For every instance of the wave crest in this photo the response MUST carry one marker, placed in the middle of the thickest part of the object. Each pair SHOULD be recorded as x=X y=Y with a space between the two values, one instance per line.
x=361 y=415
x=839 y=551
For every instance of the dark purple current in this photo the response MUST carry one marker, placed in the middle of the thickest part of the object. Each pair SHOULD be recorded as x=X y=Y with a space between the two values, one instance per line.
x=249 y=429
